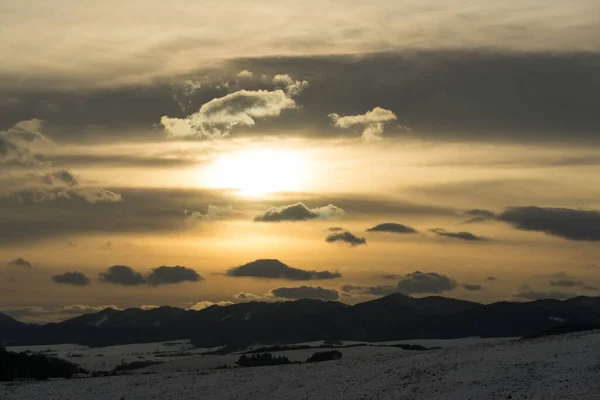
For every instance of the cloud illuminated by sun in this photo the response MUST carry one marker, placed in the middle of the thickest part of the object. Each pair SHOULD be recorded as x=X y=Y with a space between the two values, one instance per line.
x=259 y=172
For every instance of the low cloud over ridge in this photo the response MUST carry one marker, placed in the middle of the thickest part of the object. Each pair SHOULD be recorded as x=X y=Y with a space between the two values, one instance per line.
x=275 y=269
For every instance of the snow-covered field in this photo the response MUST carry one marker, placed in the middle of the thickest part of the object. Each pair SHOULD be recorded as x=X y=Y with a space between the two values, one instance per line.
x=558 y=367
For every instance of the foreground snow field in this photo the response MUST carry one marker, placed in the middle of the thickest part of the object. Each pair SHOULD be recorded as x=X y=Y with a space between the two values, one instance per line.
x=558 y=367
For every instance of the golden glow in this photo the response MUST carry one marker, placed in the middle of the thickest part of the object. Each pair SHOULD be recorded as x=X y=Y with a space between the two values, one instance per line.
x=258 y=172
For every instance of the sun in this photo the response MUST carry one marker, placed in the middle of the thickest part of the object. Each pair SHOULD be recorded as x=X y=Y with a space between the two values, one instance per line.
x=259 y=172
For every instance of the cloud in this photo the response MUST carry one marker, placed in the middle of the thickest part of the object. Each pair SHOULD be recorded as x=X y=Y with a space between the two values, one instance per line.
x=19 y=262
x=379 y=290
x=566 y=283
x=171 y=275
x=243 y=296
x=216 y=118
x=592 y=266
x=373 y=122
x=122 y=275
x=567 y=223
x=458 y=235
x=201 y=305
x=72 y=278
x=299 y=212
x=533 y=295
x=346 y=237
x=490 y=278
x=275 y=269
x=478 y=215
x=212 y=212
x=391 y=277
x=245 y=74
x=472 y=288
x=429 y=282
x=23 y=143
x=26 y=146
x=291 y=87
x=305 y=292
x=335 y=229
x=392 y=227
x=590 y=288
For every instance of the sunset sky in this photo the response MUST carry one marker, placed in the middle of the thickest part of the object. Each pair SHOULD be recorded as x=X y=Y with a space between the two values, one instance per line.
x=437 y=147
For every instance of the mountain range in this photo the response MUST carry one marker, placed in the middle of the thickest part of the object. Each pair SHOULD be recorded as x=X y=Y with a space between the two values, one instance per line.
x=393 y=317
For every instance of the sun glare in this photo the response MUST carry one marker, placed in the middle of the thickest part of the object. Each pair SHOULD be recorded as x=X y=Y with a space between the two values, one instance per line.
x=259 y=172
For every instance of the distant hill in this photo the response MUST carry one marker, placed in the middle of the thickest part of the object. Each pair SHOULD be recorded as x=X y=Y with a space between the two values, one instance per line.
x=392 y=317
x=9 y=322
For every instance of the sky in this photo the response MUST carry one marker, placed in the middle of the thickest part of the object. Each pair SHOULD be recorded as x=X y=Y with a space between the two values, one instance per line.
x=196 y=153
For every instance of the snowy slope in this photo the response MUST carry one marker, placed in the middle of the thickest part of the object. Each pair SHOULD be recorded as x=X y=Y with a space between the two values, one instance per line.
x=559 y=367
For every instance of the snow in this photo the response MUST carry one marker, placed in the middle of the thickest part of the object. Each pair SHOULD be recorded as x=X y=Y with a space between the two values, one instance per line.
x=107 y=358
x=557 y=367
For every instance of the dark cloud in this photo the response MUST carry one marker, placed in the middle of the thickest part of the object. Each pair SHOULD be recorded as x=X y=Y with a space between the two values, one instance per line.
x=346 y=237
x=458 y=235
x=170 y=275
x=379 y=290
x=61 y=177
x=429 y=282
x=335 y=229
x=392 y=227
x=490 y=278
x=478 y=215
x=275 y=269
x=442 y=95
x=566 y=283
x=122 y=275
x=20 y=262
x=590 y=288
x=305 y=292
x=533 y=295
x=472 y=288
x=298 y=212
x=571 y=224
x=593 y=266
x=72 y=278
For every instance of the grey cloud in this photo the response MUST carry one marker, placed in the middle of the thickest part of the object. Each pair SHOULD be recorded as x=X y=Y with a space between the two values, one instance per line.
x=566 y=283
x=20 y=262
x=305 y=292
x=468 y=236
x=478 y=215
x=61 y=177
x=335 y=229
x=593 y=266
x=299 y=212
x=72 y=278
x=346 y=237
x=212 y=212
x=490 y=278
x=275 y=269
x=590 y=288
x=21 y=143
x=429 y=282
x=392 y=227
x=243 y=296
x=472 y=287
x=533 y=295
x=122 y=275
x=171 y=275
x=571 y=224
x=379 y=290
x=391 y=277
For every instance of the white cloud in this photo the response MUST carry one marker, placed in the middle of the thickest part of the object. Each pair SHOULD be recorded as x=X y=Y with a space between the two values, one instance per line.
x=201 y=305
x=219 y=116
x=373 y=122
x=245 y=74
